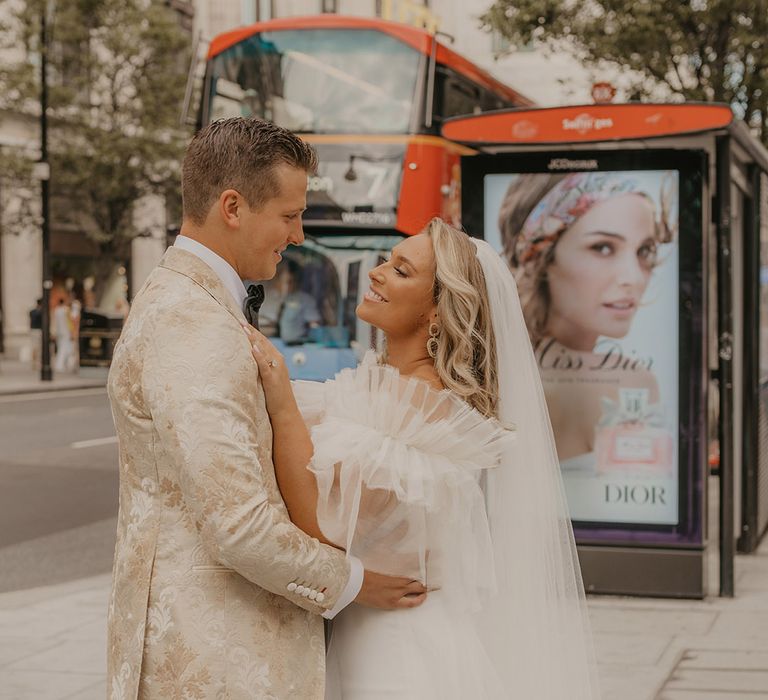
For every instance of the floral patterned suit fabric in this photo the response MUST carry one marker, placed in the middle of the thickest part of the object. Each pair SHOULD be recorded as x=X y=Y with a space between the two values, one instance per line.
x=205 y=550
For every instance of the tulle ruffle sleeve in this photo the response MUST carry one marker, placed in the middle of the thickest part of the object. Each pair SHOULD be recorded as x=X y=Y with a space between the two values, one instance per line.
x=310 y=398
x=398 y=466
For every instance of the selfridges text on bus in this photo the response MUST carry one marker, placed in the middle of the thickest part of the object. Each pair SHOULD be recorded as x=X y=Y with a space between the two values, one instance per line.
x=370 y=95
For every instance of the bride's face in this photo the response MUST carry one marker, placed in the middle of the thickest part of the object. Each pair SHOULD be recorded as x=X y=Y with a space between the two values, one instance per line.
x=400 y=300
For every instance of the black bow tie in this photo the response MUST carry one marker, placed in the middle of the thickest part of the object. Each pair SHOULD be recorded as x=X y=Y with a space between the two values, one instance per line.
x=253 y=303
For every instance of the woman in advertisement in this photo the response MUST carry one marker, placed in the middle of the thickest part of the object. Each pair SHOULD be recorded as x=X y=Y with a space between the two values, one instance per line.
x=584 y=248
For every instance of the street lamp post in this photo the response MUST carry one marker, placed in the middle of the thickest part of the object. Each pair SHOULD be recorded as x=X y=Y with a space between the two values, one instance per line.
x=44 y=172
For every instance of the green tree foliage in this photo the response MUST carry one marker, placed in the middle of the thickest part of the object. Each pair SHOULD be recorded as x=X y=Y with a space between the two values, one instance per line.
x=116 y=75
x=707 y=50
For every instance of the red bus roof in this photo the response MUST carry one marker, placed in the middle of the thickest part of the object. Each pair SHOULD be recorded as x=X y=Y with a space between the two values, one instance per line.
x=586 y=123
x=418 y=39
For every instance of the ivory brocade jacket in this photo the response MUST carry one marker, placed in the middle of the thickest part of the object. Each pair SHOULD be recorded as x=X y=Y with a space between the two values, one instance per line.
x=200 y=604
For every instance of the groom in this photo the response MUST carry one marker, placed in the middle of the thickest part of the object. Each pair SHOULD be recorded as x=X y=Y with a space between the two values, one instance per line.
x=215 y=592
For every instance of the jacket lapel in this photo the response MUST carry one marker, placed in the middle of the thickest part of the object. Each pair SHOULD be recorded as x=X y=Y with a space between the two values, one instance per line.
x=189 y=265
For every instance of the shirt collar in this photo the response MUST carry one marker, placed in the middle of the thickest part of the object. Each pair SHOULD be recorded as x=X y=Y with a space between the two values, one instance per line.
x=226 y=273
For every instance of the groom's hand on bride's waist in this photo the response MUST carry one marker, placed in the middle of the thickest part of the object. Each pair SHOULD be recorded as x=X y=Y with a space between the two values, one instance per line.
x=390 y=592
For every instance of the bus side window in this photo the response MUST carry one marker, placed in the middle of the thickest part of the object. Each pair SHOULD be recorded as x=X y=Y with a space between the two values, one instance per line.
x=455 y=95
x=490 y=102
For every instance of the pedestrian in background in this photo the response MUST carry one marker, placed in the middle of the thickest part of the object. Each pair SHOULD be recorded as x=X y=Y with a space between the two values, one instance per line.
x=65 y=348
x=75 y=310
x=36 y=332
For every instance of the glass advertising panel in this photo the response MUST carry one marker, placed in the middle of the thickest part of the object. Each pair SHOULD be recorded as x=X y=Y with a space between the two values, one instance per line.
x=595 y=256
x=595 y=246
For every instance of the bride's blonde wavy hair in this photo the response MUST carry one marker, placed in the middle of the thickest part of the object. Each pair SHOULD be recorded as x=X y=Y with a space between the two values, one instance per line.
x=466 y=349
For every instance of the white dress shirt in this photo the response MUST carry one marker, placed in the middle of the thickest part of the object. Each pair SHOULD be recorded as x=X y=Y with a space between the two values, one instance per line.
x=234 y=285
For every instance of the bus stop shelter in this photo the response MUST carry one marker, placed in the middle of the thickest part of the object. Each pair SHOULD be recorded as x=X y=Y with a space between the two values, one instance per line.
x=638 y=234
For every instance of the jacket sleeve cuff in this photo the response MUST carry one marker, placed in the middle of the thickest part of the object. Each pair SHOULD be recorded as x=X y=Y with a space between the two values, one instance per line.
x=354 y=584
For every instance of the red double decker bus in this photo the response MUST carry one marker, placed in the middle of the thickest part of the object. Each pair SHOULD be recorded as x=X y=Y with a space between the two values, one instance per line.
x=370 y=95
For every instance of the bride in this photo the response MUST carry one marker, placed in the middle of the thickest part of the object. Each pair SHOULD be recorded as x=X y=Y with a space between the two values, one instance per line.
x=436 y=461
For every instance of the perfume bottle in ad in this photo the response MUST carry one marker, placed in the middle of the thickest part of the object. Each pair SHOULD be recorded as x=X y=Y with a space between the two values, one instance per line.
x=631 y=437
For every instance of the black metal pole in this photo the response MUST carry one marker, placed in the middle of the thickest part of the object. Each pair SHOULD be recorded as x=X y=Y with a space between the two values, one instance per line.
x=725 y=363
x=750 y=440
x=46 y=373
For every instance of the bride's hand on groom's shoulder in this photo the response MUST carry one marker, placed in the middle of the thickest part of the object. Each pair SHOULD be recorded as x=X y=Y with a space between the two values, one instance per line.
x=273 y=372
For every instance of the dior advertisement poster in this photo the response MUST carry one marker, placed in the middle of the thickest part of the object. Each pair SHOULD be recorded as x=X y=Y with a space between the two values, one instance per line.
x=595 y=255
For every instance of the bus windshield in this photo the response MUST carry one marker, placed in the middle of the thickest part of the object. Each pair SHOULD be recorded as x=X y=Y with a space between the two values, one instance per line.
x=318 y=81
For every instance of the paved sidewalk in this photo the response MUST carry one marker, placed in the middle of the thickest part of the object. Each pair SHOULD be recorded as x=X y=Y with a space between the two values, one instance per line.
x=715 y=649
x=20 y=378
x=52 y=642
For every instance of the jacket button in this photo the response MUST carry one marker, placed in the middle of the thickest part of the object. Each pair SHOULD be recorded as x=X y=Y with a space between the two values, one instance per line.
x=320 y=597
x=292 y=586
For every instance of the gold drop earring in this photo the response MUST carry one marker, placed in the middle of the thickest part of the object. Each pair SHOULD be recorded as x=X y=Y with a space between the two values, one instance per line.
x=432 y=342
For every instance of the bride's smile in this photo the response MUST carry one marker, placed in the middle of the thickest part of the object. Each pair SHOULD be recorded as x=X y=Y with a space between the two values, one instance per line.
x=375 y=297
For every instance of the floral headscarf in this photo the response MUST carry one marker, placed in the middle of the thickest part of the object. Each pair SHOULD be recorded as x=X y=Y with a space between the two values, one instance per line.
x=569 y=200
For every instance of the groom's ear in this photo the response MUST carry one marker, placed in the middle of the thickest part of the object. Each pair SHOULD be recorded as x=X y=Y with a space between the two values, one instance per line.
x=229 y=205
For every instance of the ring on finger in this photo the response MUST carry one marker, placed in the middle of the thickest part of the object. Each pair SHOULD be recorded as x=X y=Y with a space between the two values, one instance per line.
x=272 y=363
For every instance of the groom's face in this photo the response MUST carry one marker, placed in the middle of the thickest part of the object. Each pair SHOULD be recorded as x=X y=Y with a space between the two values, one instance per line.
x=267 y=231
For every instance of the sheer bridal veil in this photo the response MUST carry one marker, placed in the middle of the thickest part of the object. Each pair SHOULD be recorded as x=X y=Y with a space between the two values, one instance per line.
x=535 y=627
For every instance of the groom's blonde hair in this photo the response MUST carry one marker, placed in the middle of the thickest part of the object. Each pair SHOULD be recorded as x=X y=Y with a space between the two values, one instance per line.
x=466 y=348
x=241 y=154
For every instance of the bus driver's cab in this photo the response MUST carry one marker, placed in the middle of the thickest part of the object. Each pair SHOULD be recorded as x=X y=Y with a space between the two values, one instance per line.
x=309 y=306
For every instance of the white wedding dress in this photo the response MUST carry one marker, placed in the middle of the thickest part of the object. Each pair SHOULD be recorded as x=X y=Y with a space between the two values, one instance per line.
x=398 y=466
